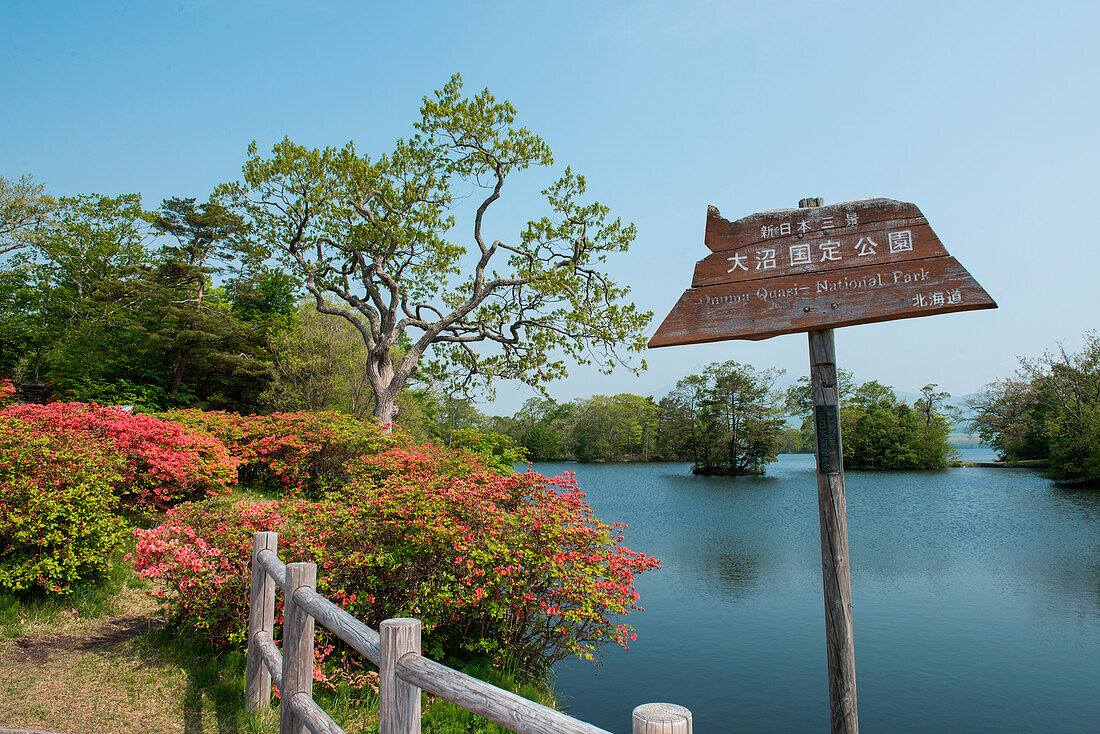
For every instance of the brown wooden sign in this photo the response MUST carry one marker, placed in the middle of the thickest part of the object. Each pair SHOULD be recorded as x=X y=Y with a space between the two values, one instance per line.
x=791 y=270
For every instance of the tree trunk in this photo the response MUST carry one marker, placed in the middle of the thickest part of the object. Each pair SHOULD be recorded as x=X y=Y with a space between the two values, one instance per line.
x=385 y=410
x=380 y=373
x=177 y=373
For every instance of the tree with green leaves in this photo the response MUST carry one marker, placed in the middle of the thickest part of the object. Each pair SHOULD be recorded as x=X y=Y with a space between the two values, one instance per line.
x=544 y=427
x=742 y=415
x=70 y=279
x=882 y=432
x=934 y=414
x=25 y=212
x=1009 y=416
x=1068 y=388
x=1049 y=410
x=319 y=365
x=688 y=396
x=207 y=236
x=613 y=427
x=378 y=237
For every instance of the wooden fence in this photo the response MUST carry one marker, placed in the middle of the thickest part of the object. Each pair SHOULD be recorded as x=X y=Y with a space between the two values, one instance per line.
x=403 y=671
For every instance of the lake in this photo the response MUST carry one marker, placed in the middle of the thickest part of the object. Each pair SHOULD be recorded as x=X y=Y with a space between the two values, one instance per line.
x=976 y=600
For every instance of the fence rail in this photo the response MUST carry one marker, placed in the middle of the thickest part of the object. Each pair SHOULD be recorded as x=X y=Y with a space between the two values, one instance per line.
x=395 y=649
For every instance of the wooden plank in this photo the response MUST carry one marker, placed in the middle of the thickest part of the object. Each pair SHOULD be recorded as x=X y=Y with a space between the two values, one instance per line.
x=874 y=243
x=349 y=629
x=297 y=646
x=313 y=716
x=513 y=712
x=661 y=718
x=809 y=302
x=272 y=658
x=398 y=700
x=833 y=521
x=275 y=568
x=768 y=225
x=261 y=618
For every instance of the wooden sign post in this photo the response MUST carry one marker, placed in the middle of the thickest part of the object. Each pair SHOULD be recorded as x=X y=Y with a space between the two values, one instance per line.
x=812 y=269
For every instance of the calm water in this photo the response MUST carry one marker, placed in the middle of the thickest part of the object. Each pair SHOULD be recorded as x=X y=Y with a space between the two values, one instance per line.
x=976 y=596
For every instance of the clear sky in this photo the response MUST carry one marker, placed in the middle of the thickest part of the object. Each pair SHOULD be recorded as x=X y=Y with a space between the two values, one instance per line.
x=984 y=114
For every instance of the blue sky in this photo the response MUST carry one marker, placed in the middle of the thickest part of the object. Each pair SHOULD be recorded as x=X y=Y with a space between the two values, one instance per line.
x=982 y=114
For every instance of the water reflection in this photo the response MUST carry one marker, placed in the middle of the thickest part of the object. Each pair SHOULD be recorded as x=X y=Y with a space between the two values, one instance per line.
x=725 y=568
x=976 y=595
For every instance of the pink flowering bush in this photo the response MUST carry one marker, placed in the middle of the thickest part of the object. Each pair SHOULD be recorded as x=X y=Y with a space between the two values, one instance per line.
x=163 y=463
x=296 y=454
x=7 y=392
x=510 y=567
x=58 y=520
x=203 y=555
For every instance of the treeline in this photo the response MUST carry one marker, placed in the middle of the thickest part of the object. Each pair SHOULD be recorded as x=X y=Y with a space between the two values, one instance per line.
x=878 y=430
x=729 y=419
x=1048 y=411
x=103 y=301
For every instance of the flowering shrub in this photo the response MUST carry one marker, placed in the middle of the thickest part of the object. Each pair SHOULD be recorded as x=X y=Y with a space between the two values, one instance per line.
x=7 y=392
x=57 y=508
x=512 y=567
x=304 y=453
x=203 y=554
x=163 y=462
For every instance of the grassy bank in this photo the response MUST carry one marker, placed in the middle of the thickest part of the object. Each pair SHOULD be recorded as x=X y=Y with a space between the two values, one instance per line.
x=104 y=659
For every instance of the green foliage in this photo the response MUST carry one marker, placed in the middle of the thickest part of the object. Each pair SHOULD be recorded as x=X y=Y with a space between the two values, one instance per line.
x=1050 y=410
x=25 y=211
x=1008 y=416
x=545 y=427
x=87 y=307
x=457 y=413
x=69 y=276
x=495 y=450
x=90 y=598
x=879 y=432
x=799 y=397
x=738 y=410
x=611 y=428
x=795 y=441
x=58 y=508
x=386 y=224
x=320 y=364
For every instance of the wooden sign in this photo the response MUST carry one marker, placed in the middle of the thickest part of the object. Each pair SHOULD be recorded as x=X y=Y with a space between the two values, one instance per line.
x=791 y=270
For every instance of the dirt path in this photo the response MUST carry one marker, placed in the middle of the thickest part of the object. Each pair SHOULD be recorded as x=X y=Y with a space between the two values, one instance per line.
x=100 y=678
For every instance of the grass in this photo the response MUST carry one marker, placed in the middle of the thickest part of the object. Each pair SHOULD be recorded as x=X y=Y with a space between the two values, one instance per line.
x=103 y=659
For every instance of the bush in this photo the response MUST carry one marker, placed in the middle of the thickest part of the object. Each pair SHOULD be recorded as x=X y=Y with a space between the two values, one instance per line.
x=162 y=462
x=7 y=392
x=58 y=523
x=498 y=451
x=203 y=554
x=512 y=568
x=304 y=453
x=515 y=567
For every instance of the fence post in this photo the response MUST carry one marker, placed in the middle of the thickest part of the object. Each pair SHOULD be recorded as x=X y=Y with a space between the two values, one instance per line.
x=662 y=718
x=398 y=701
x=297 y=646
x=261 y=617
